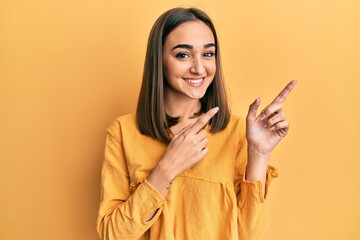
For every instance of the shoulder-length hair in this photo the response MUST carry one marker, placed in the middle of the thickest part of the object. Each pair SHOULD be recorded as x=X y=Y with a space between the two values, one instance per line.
x=151 y=118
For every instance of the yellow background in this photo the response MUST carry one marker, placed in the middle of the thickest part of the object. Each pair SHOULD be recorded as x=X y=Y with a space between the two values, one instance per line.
x=68 y=68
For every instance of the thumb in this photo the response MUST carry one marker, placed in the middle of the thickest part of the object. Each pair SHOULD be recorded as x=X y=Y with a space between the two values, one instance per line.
x=251 y=116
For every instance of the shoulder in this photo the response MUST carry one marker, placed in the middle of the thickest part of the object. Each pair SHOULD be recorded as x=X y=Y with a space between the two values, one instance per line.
x=236 y=123
x=124 y=123
x=235 y=131
x=237 y=119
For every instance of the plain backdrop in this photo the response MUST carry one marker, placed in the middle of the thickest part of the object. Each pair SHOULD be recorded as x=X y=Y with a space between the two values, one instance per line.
x=68 y=68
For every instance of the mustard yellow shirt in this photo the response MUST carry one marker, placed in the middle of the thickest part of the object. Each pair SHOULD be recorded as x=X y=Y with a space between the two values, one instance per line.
x=210 y=201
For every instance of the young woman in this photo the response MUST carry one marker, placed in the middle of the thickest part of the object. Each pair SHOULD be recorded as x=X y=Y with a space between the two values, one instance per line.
x=183 y=167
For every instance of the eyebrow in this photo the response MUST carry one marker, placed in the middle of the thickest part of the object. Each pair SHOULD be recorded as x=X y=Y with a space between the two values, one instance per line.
x=187 y=46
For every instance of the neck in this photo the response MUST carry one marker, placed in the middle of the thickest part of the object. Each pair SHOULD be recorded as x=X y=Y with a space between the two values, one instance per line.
x=184 y=108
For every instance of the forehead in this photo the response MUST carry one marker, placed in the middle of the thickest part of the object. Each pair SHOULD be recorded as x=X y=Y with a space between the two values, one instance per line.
x=193 y=33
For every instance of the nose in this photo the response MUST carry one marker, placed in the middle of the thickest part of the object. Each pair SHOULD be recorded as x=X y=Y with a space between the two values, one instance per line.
x=197 y=66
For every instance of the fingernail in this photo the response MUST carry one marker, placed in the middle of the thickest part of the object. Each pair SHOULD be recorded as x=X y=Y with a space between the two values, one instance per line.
x=265 y=125
x=262 y=117
x=272 y=128
x=216 y=109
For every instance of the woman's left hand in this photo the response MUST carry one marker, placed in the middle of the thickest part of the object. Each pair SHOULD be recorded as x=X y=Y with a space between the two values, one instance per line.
x=264 y=132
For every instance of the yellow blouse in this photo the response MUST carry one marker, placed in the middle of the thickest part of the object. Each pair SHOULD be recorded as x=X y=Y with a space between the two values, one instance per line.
x=210 y=201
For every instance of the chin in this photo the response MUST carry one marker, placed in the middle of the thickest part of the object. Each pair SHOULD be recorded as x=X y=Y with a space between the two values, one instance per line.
x=197 y=96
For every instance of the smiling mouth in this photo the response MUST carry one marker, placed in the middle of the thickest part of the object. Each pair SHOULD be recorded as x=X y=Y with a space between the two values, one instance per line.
x=195 y=82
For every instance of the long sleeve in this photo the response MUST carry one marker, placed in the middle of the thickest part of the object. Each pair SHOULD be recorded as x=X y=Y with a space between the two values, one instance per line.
x=252 y=205
x=122 y=213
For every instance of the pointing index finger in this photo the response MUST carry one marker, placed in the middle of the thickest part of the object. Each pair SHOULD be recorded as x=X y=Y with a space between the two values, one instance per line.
x=285 y=92
x=203 y=120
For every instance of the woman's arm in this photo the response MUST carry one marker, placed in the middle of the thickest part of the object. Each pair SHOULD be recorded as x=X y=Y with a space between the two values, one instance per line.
x=264 y=132
x=125 y=215
x=122 y=214
x=252 y=210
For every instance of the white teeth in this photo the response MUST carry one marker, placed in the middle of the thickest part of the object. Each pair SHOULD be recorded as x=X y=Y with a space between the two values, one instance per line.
x=194 y=81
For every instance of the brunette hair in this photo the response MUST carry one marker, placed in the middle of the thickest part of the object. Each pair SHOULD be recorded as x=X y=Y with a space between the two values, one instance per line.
x=151 y=117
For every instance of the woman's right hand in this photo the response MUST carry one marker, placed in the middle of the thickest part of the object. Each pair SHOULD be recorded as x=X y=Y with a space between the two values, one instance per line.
x=185 y=149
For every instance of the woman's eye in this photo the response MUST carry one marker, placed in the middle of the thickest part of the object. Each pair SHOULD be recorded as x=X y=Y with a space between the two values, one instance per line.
x=209 y=54
x=182 y=55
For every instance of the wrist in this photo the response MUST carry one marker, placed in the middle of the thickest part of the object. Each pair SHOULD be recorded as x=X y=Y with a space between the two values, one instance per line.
x=257 y=165
x=258 y=153
x=164 y=170
x=161 y=179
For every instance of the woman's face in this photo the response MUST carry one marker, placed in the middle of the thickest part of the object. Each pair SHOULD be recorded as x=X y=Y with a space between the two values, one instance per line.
x=189 y=60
